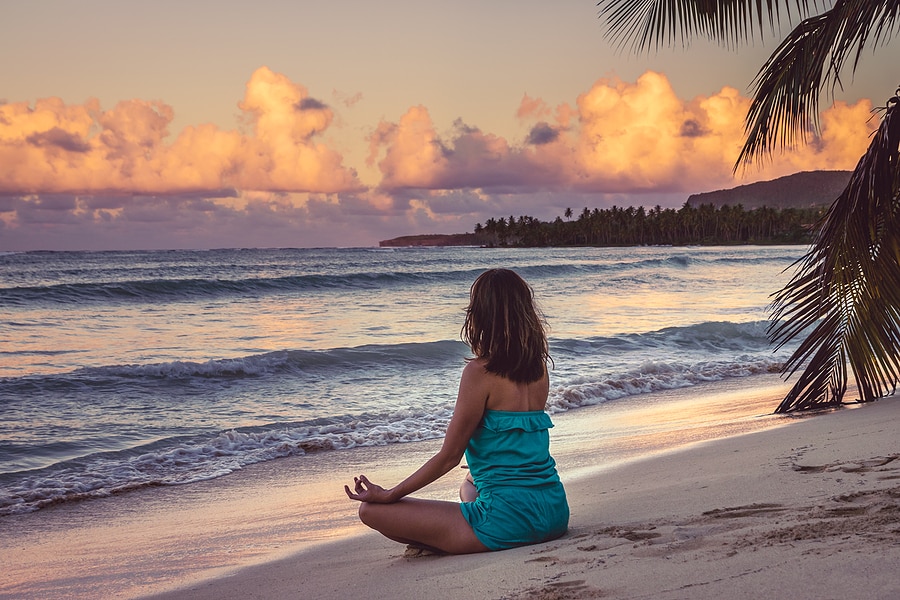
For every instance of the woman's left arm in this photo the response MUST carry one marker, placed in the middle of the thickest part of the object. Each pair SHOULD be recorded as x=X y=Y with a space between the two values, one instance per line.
x=470 y=404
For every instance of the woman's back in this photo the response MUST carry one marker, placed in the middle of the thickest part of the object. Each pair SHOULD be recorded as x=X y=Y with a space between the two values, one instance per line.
x=507 y=395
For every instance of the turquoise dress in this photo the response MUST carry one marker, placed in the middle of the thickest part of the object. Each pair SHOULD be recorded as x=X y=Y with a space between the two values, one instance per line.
x=520 y=498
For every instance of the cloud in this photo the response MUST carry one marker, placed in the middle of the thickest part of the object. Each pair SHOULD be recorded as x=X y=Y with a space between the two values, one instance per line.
x=541 y=134
x=619 y=137
x=249 y=219
x=348 y=100
x=415 y=157
x=532 y=108
x=58 y=138
x=692 y=128
x=845 y=135
x=81 y=176
x=52 y=147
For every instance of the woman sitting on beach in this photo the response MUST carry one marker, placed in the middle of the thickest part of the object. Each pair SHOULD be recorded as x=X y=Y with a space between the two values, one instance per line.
x=512 y=495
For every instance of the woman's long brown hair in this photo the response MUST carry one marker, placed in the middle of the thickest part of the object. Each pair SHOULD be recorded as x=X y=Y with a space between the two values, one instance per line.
x=503 y=326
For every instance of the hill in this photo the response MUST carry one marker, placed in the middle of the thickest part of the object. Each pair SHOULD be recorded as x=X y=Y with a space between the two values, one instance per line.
x=435 y=239
x=801 y=190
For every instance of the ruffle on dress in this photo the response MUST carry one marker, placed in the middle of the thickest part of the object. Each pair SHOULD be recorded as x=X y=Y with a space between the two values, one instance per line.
x=508 y=420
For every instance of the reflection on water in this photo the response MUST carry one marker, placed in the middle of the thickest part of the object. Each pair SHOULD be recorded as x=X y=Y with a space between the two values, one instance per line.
x=75 y=310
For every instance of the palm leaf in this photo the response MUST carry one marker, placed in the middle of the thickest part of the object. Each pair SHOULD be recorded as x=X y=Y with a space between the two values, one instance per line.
x=644 y=24
x=847 y=286
x=785 y=106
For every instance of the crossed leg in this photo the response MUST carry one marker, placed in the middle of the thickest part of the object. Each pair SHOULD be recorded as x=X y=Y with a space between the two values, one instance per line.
x=467 y=491
x=430 y=523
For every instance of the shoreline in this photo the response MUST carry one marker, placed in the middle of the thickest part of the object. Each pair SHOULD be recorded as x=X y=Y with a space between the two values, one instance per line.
x=216 y=534
x=805 y=511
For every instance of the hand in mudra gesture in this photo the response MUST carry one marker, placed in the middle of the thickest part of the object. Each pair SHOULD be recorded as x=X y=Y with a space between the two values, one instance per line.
x=366 y=491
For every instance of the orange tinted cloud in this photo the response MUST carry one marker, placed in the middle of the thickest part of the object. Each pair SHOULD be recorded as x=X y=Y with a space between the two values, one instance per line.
x=619 y=137
x=532 y=108
x=52 y=147
x=414 y=155
x=113 y=177
x=845 y=136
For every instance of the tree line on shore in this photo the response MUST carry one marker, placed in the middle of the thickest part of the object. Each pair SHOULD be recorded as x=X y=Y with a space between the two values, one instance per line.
x=703 y=224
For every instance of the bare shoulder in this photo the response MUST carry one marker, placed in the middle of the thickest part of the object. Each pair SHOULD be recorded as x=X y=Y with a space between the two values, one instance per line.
x=475 y=366
x=475 y=373
x=474 y=388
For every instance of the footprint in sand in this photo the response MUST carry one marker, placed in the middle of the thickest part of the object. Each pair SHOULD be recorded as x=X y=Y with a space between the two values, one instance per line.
x=560 y=590
x=864 y=466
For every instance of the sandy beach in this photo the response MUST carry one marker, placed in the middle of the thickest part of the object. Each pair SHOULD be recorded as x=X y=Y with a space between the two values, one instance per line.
x=808 y=510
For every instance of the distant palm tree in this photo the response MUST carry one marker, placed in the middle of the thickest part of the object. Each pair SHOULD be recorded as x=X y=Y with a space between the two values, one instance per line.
x=846 y=290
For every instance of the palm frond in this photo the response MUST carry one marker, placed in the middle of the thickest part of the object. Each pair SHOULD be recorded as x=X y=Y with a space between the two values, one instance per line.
x=847 y=287
x=785 y=105
x=644 y=24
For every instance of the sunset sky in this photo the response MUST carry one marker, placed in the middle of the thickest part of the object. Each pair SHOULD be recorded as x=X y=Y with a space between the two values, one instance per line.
x=200 y=124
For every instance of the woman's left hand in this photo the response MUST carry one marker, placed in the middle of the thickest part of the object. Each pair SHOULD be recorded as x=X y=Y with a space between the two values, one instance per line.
x=366 y=491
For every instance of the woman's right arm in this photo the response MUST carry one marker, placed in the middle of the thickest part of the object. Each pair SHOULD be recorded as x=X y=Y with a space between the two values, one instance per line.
x=470 y=404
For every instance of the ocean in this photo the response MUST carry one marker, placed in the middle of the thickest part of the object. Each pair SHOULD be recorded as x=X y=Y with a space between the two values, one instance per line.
x=126 y=370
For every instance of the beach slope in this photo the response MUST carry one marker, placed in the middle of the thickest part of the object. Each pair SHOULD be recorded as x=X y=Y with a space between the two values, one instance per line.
x=809 y=510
